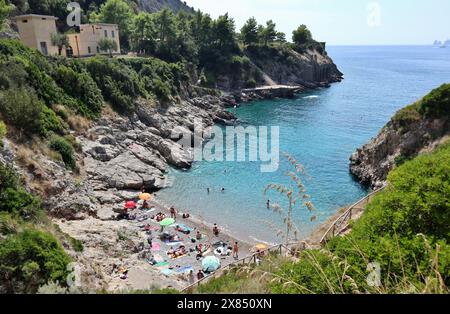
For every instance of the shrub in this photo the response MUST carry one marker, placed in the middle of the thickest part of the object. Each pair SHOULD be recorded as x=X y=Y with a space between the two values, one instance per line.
x=437 y=102
x=49 y=122
x=3 y=131
x=119 y=84
x=79 y=84
x=13 y=197
x=29 y=260
x=60 y=145
x=20 y=109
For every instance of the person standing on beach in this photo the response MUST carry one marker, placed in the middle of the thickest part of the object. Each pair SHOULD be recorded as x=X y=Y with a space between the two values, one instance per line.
x=216 y=230
x=191 y=277
x=173 y=213
x=236 y=251
x=200 y=275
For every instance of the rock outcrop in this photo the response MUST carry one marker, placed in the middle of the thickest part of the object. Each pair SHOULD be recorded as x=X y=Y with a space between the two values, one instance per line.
x=405 y=136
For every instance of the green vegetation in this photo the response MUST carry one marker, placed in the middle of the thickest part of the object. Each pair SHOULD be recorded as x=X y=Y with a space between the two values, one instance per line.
x=109 y=45
x=60 y=41
x=404 y=230
x=4 y=12
x=29 y=257
x=434 y=105
x=3 y=132
x=62 y=146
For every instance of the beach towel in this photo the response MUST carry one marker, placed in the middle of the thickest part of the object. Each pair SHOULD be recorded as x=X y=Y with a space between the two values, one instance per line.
x=174 y=244
x=183 y=228
x=162 y=264
x=156 y=247
x=166 y=272
x=185 y=269
x=158 y=258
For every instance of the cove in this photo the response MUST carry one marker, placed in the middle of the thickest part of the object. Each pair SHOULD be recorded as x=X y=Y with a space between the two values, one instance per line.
x=321 y=129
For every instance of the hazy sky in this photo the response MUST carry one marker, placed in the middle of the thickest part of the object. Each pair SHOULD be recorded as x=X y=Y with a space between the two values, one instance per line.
x=345 y=22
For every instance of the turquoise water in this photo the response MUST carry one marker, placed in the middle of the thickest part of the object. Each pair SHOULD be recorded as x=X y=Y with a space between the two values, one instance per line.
x=321 y=129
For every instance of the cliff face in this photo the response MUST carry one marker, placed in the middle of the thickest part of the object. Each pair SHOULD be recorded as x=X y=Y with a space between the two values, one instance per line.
x=157 y=5
x=288 y=67
x=411 y=131
x=273 y=65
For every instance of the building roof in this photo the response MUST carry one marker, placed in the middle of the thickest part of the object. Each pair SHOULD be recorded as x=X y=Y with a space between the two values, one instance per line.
x=49 y=17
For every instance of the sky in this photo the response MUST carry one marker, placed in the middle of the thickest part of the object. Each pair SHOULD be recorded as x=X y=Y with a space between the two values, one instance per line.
x=345 y=22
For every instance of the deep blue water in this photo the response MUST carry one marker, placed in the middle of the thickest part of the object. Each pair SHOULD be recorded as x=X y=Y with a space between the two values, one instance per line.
x=320 y=129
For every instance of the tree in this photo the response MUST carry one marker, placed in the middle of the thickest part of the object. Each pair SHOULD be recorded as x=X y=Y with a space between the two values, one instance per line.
x=107 y=44
x=143 y=33
x=301 y=35
x=116 y=12
x=249 y=32
x=269 y=33
x=60 y=40
x=281 y=37
x=4 y=12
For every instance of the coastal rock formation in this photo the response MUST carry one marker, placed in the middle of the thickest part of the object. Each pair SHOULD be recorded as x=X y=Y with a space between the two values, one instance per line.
x=288 y=67
x=409 y=133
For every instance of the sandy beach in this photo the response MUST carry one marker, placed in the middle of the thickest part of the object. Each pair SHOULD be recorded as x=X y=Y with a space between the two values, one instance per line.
x=120 y=253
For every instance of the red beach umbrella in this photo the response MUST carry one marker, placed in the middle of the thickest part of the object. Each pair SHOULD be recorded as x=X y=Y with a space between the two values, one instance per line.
x=130 y=205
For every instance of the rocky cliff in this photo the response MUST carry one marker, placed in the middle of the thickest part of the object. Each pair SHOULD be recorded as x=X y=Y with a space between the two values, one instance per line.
x=280 y=65
x=417 y=128
x=310 y=68
x=157 y=5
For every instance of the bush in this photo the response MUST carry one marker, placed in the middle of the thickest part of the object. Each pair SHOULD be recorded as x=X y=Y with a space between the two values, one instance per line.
x=13 y=197
x=3 y=131
x=20 y=109
x=49 y=122
x=437 y=103
x=29 y=260
x=119 y=84
x=79 y=84
x=60 y=145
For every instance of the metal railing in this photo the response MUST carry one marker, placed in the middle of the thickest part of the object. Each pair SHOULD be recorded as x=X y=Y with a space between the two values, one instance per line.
x=246 y=261
x=340 y=224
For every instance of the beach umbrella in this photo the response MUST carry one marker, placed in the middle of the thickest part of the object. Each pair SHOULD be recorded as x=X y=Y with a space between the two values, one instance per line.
x=210 y=264
x=261 y=246
x=130 y=205
x=167 y=222
x=145 y=197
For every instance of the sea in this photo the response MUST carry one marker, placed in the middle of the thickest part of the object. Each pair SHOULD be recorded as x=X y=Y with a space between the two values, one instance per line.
x=320 y=129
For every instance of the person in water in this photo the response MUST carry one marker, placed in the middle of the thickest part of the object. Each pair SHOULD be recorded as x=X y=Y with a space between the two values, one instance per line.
x=223 y=190
x=208 y=190
x=268 y=204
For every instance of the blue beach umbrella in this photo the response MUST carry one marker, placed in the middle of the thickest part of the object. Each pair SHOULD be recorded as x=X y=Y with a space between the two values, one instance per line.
x=210 y=264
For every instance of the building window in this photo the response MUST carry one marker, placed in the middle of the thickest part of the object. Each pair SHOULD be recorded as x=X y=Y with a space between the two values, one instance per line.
x=113 y=34
x=44 y=49
x=24 y=21
x=98 y=49
x=106 y=33
x=89 y=50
